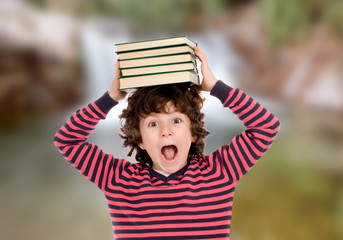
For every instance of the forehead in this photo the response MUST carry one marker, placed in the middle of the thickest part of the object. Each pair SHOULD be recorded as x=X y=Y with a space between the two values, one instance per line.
x=156 y=107
x=169 y=108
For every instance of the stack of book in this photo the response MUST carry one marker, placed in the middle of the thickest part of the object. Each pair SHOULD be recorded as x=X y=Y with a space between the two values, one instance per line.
x=157 y=62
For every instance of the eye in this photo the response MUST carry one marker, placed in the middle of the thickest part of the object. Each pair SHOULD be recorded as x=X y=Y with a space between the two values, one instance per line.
x=153 y=124
x=177 y=120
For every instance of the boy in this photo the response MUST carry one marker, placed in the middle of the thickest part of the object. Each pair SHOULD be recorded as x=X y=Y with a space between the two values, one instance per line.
x=175 y=191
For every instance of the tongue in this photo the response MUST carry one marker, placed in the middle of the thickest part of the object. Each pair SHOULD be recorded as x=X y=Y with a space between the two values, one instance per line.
x=169 y=152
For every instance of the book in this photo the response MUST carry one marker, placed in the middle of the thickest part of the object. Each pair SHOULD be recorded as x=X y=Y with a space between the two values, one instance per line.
x=172 y=67
x=148 y=61
x=155 y=52
x=156 y=43
x=157 y=62
x=158 y=79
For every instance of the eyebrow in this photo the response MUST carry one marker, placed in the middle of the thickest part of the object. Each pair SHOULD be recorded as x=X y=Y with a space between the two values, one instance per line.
x=154 y=114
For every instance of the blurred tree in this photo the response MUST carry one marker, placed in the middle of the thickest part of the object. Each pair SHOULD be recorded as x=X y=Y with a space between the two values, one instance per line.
x=175 y=14
x=292 y=19
x=283 y=20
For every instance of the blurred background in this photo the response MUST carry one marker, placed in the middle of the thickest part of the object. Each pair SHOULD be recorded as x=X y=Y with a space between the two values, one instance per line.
x=56 y=56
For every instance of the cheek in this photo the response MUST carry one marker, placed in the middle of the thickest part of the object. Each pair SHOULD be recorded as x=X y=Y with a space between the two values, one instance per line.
x=142 y=139
x=147 y=140
x=186 y=135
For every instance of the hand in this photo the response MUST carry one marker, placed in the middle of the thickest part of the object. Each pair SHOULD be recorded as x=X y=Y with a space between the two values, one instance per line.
x=209 y=80
x=114 y=91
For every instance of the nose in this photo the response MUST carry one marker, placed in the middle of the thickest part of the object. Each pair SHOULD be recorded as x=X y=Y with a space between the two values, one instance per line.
x=166 y=130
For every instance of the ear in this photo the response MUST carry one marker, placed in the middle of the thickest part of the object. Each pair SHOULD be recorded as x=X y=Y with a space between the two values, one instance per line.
x=194 y=138
x=141 y=145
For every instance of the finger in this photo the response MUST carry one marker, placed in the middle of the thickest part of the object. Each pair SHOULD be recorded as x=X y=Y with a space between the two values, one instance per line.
x=200 y=54
x=117 y=70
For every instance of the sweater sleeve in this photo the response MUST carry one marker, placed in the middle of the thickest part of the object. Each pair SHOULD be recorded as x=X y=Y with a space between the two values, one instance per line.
x=71 y=141
x=261 y=127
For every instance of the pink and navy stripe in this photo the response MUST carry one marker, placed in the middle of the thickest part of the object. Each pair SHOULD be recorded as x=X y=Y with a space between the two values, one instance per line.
x=193 y=203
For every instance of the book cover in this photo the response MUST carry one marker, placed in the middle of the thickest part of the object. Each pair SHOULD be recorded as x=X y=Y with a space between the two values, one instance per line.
x=162 y=51
x=151 y=44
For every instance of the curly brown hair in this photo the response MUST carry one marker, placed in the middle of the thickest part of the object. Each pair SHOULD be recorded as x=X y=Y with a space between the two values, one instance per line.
x=142 y=102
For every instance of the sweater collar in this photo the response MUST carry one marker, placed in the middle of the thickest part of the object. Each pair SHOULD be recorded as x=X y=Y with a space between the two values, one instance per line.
x=173 y=176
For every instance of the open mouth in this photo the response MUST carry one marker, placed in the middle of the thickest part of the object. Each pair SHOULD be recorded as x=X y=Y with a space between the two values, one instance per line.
x=169 y=152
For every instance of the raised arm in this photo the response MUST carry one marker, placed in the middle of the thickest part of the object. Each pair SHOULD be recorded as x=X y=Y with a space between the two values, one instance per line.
x=261 y=126
x=71 y=138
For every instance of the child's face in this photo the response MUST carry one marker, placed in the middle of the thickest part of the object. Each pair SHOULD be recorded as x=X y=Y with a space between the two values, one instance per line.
x=167 y=138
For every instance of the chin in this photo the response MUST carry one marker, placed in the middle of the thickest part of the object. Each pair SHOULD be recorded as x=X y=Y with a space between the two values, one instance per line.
x=168 y=170
x=173 y=169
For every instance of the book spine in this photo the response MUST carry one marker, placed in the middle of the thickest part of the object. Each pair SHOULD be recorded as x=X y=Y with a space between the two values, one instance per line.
x=171 y=54
x=149 y=74
x=152 y=61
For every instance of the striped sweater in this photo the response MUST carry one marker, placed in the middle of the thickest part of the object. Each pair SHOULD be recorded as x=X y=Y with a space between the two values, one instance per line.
x=193 y=203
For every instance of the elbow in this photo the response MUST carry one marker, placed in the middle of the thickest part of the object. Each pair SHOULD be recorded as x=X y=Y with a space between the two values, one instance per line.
x=57 y=141
x=276 y=127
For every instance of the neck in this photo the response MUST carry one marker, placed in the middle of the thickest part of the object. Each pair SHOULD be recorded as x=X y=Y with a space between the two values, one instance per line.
x=162 y=172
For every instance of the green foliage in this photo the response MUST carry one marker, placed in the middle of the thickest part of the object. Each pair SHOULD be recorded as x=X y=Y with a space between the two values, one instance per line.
x=332 y=14
x=170 y=14
x=291 y=20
